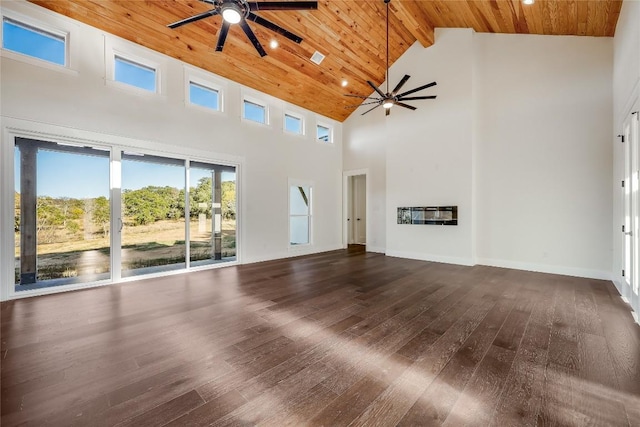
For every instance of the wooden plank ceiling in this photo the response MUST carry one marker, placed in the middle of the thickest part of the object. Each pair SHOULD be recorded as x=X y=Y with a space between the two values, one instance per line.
x=351 y=33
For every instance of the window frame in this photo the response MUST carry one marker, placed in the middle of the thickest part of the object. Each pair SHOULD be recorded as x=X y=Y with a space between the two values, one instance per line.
x=300 y=183
x=53 y=25
x=59 y=135
x=295 y=116
x=135 y=62
x=255 y=101
x=329 y=128
x=208 y=81
x=115 y=47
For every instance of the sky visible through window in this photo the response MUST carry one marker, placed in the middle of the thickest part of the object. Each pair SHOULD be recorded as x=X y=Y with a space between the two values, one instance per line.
x=292 y=124
x=84 y=176
x=254 y=112
x=203 y=96
x=135 y=74
x=37 y=43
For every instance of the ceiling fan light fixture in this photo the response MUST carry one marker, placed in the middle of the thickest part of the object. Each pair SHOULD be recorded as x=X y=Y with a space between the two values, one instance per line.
x=387 y=104
x=231 y=13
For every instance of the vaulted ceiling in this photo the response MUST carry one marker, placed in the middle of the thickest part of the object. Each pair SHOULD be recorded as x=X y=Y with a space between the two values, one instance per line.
x=351 y=33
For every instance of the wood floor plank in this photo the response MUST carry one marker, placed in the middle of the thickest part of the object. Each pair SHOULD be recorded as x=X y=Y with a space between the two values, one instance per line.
x=167 y=411
x=521 y=397
x=436 y=402
x=338 y=338
x=211 y=411
x=478 y=401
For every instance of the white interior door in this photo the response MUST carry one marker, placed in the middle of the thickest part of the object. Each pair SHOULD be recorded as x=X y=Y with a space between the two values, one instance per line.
x=631 y=220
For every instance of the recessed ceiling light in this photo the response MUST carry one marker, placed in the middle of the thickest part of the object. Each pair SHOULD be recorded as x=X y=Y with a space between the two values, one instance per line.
x=528 y=1
x=317 y=57
x=273 y=44
x=344 y=83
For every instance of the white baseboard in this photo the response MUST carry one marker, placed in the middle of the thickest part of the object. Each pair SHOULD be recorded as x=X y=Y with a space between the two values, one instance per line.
x=430 y=257
x=544 y=268
x=375 y=249
x=294 y=252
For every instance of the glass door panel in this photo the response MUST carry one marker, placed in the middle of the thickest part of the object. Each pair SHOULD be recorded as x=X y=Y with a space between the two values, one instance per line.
x=212 y=206
x=62 y=214
x=153 y=214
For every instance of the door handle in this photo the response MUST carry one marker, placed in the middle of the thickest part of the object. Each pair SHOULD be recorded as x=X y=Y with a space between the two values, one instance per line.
x=627 y=233
x=358 y=219
x=121 y=224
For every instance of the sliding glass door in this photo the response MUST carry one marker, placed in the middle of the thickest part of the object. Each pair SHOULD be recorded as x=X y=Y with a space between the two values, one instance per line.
x=212 y=203
x=153 y=214
x=67 y=205
x=62 y=214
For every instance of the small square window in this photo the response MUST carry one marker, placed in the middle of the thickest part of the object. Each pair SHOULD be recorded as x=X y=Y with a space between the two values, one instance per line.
x=323 y=134
x=32 y=41
x=135 y=74
x=204 y=96
x=293 y=124
x=255 y=112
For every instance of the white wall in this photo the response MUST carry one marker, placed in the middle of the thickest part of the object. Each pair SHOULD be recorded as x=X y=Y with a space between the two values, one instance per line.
x=365 y=149
x=626 y=93
x=544 y=155
x=430 y=149
x=519 y=138
x=83 y=101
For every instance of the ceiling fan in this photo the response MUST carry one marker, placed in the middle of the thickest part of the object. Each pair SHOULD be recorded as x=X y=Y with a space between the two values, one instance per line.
x=241 y=11
x=389 y=99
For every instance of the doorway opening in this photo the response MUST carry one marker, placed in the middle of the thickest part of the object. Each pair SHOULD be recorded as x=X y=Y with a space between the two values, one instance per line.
x=356 y=209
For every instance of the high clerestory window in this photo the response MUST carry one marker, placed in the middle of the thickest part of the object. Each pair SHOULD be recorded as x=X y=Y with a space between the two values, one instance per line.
x=135 y=74
x=33 y=41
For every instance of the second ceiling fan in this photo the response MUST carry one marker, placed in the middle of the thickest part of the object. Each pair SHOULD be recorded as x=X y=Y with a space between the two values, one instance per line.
x=241 y=11
x=391 y=98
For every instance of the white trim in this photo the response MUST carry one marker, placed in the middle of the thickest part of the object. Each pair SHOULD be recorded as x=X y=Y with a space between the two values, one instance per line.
x=207 y=80
x=545 y=268
x=345 y=205
x=376 y=249
x=114 y=46
x=300 y=183
x=294 y=115
x=12 y=128
x=32 y=15
x=430 y=257
x=305 y=250
x=256 y=101
x=325 y=125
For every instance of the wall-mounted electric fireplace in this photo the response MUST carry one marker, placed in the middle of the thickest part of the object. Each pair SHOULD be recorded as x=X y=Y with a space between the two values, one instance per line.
x=438 y=215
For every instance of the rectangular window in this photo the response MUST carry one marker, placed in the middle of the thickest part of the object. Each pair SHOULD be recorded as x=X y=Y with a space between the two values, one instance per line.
x=34 y=42
x=135 y=74
x=299 y=214
x=323 y=134
x=255 y=112
x=293 y=124
x=204 y=96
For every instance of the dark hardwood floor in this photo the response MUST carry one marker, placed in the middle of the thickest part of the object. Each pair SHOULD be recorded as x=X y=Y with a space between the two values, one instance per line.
x=341 y=338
